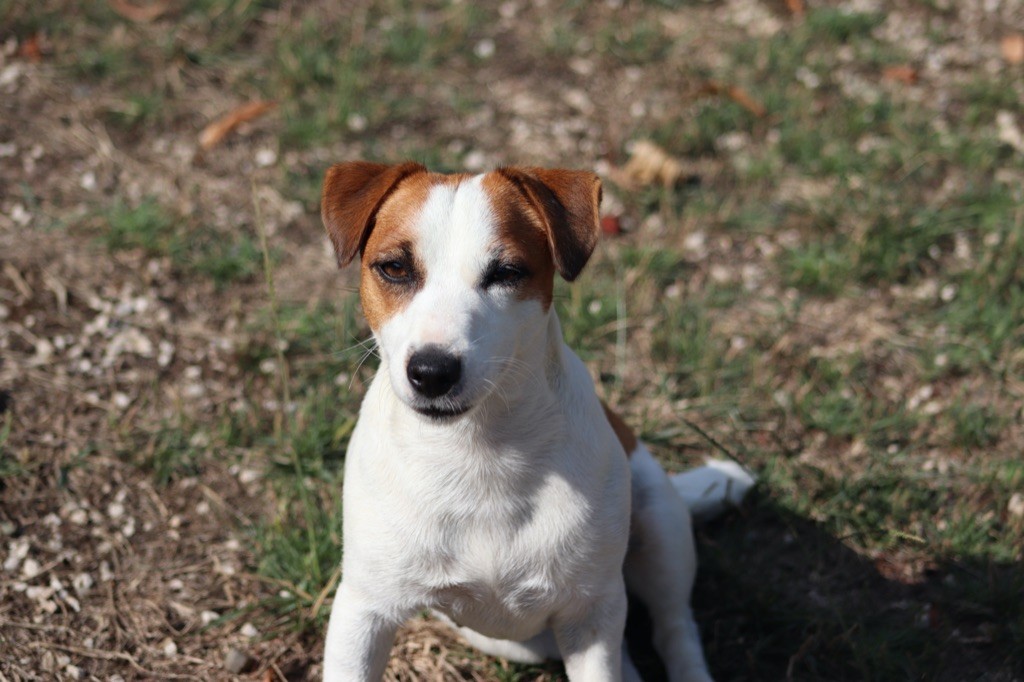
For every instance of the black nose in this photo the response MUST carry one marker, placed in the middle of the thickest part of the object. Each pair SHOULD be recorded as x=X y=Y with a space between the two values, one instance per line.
x=433 y=372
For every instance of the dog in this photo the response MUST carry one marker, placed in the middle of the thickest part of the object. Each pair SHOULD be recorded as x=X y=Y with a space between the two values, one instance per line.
x=485 y=480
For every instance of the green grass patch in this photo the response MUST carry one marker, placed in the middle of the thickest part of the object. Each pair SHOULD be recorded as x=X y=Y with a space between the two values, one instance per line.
x=300 y=550
x=170 y=453
x=156 y=231
x=976 y=426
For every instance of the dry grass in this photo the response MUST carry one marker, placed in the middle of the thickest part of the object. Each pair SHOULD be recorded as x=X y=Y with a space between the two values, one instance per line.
x=829 y=288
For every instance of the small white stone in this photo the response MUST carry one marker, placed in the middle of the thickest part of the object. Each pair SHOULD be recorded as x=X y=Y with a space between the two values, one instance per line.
x=266 y=157
x=115 y=510
x=1008 y=130
x=71 y=601
x=249 y=630
x=247 y=476
x=165 y=353
x=44 y=352
x=207 y=617
x=37 y=593
x=1016 y=505
x=82 y=583
x=175 y=584
x=948 y=293
x=475 y=160
x=10 y=74
x=356 y=122
x=484 y=49
x=88 y=181
x=30 y=569
x=16 y=551
x=193 y=390
x=20 y=216
x=720 y=274
x=808 y=78
x=169 y=647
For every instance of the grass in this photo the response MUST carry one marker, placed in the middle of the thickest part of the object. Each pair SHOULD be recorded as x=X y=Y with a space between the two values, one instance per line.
x=193 y=248
x=887 y=232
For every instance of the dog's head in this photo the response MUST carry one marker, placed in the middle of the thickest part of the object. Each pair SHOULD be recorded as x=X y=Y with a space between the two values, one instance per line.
x=457 y=270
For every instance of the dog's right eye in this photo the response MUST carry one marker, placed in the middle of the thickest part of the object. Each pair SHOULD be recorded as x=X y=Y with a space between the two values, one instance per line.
x=394 y=271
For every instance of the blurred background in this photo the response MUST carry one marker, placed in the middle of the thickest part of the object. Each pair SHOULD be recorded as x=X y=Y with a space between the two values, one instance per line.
x=811 y=262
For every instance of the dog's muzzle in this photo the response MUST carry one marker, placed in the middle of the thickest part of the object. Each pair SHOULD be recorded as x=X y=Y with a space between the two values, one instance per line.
x=433 y=372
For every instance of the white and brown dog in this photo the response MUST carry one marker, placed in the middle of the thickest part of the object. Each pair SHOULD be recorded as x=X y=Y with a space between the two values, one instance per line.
x=485 y=480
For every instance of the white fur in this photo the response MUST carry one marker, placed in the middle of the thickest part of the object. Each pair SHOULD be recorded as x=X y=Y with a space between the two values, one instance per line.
x=512 y=520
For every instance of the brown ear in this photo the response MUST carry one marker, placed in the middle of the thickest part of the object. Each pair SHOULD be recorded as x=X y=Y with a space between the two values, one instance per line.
x=353 y=193
x=567 y=202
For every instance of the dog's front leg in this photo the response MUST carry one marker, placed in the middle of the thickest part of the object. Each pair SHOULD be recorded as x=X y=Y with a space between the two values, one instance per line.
x=591 y=641
x=359 y=638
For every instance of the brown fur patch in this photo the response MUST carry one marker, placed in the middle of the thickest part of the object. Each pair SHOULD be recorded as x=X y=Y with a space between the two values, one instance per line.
x=622 y=432
x=522 y=237
x=567 y=203
x=353 y=193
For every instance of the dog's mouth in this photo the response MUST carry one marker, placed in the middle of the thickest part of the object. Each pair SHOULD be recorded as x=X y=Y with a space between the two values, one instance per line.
x=442 y=412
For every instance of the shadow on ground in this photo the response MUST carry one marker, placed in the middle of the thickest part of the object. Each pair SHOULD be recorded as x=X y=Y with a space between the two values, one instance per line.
x=845 y=620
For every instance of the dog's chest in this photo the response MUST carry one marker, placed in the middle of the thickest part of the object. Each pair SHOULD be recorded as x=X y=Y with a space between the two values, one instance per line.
x=499 y=580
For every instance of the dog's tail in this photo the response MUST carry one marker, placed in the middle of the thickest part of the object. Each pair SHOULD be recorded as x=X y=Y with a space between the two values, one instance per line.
x=711 y=489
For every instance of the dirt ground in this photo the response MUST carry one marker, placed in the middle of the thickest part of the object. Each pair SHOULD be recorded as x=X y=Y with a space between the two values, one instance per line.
x=127 y=517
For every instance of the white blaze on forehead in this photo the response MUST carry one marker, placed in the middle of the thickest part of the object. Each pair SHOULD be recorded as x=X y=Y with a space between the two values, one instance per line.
x=455 y=232
x=453 y=235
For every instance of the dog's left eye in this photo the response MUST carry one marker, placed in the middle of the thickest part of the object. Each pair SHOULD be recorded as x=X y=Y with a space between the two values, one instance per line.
x=503 y=274
x=394 y=271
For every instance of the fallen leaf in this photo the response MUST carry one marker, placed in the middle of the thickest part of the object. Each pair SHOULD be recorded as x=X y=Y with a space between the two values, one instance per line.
x=648 y=164
x=900 y=73
x=139 y=14
x=1012 y=47
x=29 y=49
x=796 y=7
x=736 y=94
x=214 y=133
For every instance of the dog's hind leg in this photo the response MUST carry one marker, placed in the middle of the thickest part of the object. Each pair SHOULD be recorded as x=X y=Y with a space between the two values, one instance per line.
x=660 y=567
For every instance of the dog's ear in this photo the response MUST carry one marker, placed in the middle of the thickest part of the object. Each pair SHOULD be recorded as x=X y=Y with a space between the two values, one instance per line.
x=353 y=193
x=568 y=202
